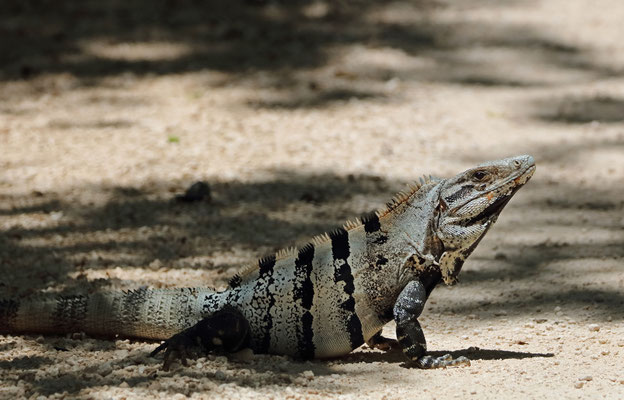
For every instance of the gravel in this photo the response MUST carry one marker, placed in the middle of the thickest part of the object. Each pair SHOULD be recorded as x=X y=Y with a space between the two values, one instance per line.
x=289 y=133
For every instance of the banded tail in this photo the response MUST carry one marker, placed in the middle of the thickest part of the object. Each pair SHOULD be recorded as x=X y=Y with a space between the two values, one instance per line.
x=144 y=313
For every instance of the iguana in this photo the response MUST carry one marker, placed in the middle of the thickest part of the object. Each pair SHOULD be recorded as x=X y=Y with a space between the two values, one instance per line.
x=323 y=300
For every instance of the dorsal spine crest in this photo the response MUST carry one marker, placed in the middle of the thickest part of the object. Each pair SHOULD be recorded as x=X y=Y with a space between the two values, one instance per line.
x=292 y=252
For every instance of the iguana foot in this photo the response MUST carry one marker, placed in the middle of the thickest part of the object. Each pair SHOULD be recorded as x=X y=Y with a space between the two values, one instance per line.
x=226 y=330
x=181 y=346
x=429 y=362
x=382 y=343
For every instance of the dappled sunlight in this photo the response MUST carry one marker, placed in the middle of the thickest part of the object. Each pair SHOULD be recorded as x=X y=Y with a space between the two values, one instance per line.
x=135 y=51
x=299 y=116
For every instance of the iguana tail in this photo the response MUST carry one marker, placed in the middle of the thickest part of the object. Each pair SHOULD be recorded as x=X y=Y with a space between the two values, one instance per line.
x=142 y=313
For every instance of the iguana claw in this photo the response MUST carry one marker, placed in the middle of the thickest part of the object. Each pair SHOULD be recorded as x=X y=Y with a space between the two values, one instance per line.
x=226 y=330
x=429 y=362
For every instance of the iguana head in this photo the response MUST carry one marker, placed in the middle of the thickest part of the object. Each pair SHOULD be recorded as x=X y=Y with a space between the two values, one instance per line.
x=471 y=202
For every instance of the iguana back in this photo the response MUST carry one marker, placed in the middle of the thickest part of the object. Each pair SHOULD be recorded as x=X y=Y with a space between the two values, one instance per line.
x=324 y=299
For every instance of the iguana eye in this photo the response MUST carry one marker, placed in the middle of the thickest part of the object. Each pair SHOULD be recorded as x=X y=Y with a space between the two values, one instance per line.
x=479 y=175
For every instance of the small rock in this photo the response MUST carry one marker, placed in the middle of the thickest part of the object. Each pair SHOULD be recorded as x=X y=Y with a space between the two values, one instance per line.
x=586 y=378
x=557 y=308
x=301 y=381
x=155 y=265
x=500 y=256
x=220 y=375
x=500 y=313
x=78 y=336
x=579 y=385
x=56 y=215
x=309 y=375
x=221 y=359
x=593 y=327
x=119 y=354
x=196 y=192
x=124 y=384
x=105 y=369
x=245 y=355
x=465 y=337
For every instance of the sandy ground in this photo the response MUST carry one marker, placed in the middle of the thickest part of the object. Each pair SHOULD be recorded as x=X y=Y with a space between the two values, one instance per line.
x=299 y=116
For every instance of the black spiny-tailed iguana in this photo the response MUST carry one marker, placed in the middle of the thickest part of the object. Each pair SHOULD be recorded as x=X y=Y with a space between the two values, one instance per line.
x=323 y=300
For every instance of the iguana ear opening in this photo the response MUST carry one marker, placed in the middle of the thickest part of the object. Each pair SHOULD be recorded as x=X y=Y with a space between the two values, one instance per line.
x=450 y=265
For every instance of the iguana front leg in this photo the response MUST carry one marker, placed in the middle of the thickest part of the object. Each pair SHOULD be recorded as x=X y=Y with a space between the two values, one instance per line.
x=407 y=309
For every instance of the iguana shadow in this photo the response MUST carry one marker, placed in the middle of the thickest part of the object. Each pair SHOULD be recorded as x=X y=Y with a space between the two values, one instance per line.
x=472 y=353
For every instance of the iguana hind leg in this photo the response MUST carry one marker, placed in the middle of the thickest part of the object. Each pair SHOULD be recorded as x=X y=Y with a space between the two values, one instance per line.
x=410 y=335
x=226 y=330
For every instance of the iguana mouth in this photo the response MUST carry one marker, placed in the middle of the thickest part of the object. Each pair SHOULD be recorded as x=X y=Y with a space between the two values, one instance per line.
x=497 y=206
x=493 y=209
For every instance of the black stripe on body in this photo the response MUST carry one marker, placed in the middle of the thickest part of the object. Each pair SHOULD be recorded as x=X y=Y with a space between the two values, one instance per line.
x=371 y=223
x=8 y=313
x=235 y=281
x=304 y=293
x=372 y=227
x=263 y=295
x=342 y=272
x=70 y=312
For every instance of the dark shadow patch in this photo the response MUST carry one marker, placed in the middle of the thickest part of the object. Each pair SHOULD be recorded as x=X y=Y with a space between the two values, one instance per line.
x=318 y=100
x=491 y=81
x=25 y=363
x=103 y=124
x=579 y=110
x=475 y=353
x=84 y=237
x=396 y=356
x=282 y=42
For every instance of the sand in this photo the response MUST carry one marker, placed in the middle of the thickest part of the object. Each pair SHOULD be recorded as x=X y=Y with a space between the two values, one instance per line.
x=298 y=117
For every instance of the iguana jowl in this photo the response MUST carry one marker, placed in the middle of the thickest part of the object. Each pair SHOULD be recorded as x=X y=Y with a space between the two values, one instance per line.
x=323 y=300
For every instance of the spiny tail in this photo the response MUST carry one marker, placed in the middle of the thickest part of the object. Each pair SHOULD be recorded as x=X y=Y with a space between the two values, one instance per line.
x=142 y=313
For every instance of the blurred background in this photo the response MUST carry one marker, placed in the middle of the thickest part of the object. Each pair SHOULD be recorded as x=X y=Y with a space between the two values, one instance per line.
x=300 y=114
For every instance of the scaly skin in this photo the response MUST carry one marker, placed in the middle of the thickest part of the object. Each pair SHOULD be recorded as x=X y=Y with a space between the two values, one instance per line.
x=323 y=300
